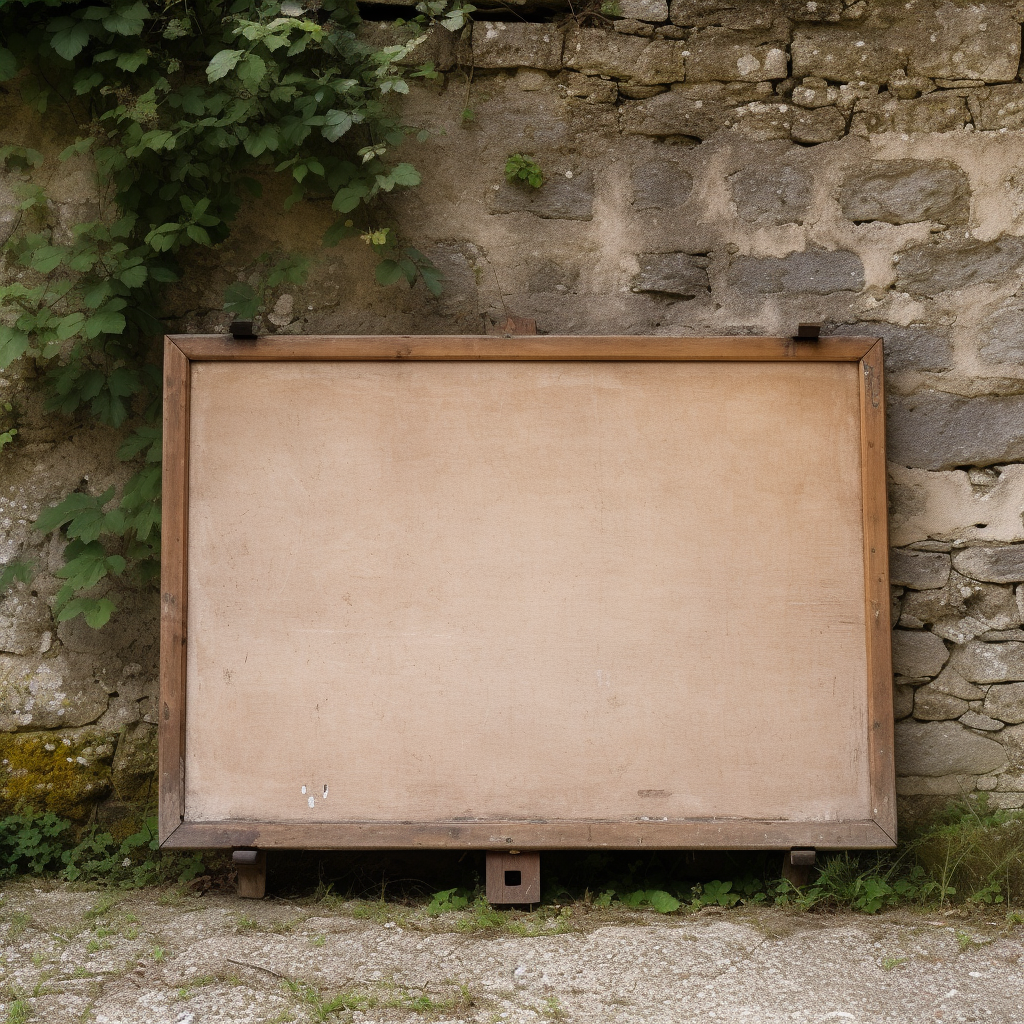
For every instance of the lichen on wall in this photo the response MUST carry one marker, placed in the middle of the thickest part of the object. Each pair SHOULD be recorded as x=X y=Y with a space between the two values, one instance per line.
x=711 y=169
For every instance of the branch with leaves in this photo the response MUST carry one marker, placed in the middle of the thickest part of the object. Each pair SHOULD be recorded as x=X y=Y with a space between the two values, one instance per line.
x=181 y=108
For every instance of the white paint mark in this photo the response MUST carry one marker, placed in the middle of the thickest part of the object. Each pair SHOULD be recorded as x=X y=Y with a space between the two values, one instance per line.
x=303 y=790
x=310 y=801
x=325 y=790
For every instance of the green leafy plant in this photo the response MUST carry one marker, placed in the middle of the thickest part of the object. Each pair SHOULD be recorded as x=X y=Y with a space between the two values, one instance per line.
x=31 y=843
x=656 y=899
x=445 y=901
x=521 y=170
x=7 y=435
x=181 y=110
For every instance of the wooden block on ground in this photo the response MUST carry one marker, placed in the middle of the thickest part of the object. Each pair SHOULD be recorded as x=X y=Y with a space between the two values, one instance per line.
x=252 y=878
x=513 y=878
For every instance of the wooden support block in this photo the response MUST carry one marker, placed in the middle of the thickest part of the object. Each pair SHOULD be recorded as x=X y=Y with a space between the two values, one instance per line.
x=513 y=878
x=797 y=866
x=252 y=873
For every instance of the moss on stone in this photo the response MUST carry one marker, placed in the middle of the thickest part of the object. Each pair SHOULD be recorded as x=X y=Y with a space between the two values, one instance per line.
x=66 y=774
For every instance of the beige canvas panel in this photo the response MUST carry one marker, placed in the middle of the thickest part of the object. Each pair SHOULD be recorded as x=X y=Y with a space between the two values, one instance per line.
x=426 y=591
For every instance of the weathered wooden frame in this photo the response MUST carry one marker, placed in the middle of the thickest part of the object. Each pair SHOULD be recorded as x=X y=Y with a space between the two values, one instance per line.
x=878 y=831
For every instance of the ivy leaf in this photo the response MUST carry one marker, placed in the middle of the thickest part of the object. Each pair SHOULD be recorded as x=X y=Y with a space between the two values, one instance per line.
x=73 y=505
x=405 y=174
x=222 y=63
x=46 y=258
x=8 y=65
x=70 y=39
x=388 y=272
x=132 y=61
x=127 y=21
x=13 y=345
x=77 y=148
x=662 y=902
x=336 y=123
x=134 y=277
x=347 y=199
x=241 y=298
x=104 y=322
x=97 y=611
x=70 y=325
x=252 y=71
x=15 y=572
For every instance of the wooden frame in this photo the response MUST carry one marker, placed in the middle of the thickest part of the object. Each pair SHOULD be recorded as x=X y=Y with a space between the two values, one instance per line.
x=876 y=831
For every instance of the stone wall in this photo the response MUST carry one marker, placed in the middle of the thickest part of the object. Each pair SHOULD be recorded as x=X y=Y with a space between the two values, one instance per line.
x=710 y=168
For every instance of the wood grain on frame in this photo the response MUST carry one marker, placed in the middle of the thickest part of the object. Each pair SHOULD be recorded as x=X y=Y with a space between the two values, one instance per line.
x=173 y=588
x=729 y=833
x=876 y=576
x=532 y=835
x=459 y=347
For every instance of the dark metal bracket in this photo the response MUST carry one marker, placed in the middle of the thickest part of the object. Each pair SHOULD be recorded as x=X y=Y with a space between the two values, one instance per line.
x=807 y=332
x=242 y=330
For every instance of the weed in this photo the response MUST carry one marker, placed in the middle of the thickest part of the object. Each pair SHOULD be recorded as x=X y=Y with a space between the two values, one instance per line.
x=553 y=1008
x=131 y=933
x=102 y=907
x=318 y=940
x=320 y=1006
x=17 y=924
x=890 y=963
x=246 y=924
x=158 y=953
x=522 y=170
x=445 y=901
x=18 y=1012
x=188 y=991
x=483 y=917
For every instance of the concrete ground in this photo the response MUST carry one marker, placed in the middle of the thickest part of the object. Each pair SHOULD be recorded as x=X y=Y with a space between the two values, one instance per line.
x=159 y=956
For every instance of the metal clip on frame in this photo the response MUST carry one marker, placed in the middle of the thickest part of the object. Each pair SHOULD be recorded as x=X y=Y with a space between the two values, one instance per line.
x=807 y=332
x=241 y=330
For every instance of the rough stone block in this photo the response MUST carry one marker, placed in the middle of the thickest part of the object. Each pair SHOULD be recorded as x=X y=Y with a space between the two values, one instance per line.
x=902 y=701
x=813 y=93
x=847 y=53
x=925 y=505
x=1006 y=703
x=596 y=90
x=992 y=565
x=942 y=785
x=812 y=127
x=514 y=44
x=631 y=58
x=700 y=111
x=725 y=55
x=814 y=271
x=673 y=273
x=946 y=266
x=746 y=14
x=931 y=705
x=936 y=112
x=906 y=348
x=559 y=198
x=47 y=693
x=944 y=748
x=936 y=430
x=1002 y=106
x=973 y=720
x=771 y=193
x=906 y=191
x=660 y=184
x=644 y=10
x=979 y=662
x=1002 y=335
x=631 y=27
x=917 y=653
x=950 y=681
x=968 y=41
x=1006 y=801
x=133 y=772
x=920 y=570
x=26 y=625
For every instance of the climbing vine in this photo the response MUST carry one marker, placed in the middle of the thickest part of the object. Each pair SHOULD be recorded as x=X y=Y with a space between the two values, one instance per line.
x=181 y=107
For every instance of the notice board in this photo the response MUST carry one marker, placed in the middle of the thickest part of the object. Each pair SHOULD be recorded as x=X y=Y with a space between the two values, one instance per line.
x=533 y=592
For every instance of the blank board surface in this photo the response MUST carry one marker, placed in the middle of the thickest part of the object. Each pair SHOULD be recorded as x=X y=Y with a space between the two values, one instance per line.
x=455 y=591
